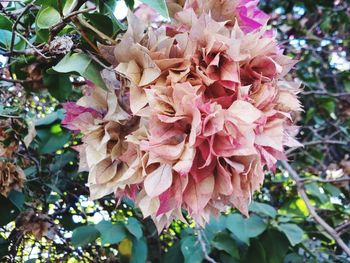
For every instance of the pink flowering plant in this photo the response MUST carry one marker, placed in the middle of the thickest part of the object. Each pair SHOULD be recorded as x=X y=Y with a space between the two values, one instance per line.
x=194 y=114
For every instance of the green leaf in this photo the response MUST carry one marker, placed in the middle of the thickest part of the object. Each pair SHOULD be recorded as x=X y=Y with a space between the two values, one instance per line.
x=42 y=35
x=102 y=23
x=54 y=188
x=17 y=198
x=5 y=38
x=293 y=232
x=139 y=251
x=50 y=118
x=130 y=4
x=49 y=142
x=226 y=258
x=9 y=211
x=328 y=104
x=5 y=23
x=84 y=235
x=173 y=255
x=214 y=226
x=314 y=190
x=159 y=6
x=69 y=6
x=295 y=206
x=81 y=64
x=111 y=233
x=191 y=251
x=61 y=160
x=223 y=241
x=58 y=85
x=276 y=252
x=67 y=221
x=4 y=244
x=293 y=258
x=256 y=253
x=245 y=228
x=108 y=7
x=44 y=3
x=263 y=209
x=134 y=227
x=47 y=17
x=332 y=190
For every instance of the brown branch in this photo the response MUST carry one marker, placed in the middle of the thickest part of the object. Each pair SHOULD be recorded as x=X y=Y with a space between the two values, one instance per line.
x=60 y=25
x=91 y=44
x=302 y=193
x=83 y=23
x=60 y=7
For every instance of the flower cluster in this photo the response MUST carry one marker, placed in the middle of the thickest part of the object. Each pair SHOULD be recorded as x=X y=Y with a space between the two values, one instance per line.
x=11 y=178
x=200 y=109
x=7 y=145
x=37 y=224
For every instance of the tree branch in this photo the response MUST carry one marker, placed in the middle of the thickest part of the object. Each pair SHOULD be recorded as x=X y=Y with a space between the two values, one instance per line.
x=302 y=193
x=20 y=81
x=31 y=45
x=203 y=245
x=326 y=93
x=342 y=228
x=320 y=180
x=322 y=141
x=14 y=28
x=56 y=28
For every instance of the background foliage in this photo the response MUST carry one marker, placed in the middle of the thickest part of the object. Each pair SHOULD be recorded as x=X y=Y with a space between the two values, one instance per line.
x=49 y=50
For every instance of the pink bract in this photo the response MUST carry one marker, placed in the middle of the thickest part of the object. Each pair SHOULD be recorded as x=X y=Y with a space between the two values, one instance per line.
x=207 y=113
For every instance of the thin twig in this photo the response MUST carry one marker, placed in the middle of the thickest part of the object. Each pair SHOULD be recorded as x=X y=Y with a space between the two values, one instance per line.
x=320 y=180
x=203 y=246
x=102 y=35
x=20 y=81
x=94 y=58
x=316 y=143
x=14 y=28
x=60 y=7
x=301 y=190
x=10 y=116
x=56 y=28
x=342 y=228
x=325 y=142
x=28 y=51
x=326 y=93
x=32 y=46
x=29 y=155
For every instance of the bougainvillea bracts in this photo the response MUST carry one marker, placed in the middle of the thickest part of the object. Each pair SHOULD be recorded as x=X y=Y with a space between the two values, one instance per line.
x=198 y=110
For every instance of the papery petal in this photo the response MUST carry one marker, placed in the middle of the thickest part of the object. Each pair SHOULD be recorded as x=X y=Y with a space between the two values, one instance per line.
x=197 y=195
x=103 y=172
x=183 y=166
x=159 y=180
x=245 y=111
x=148 y=205
x=272 y=136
